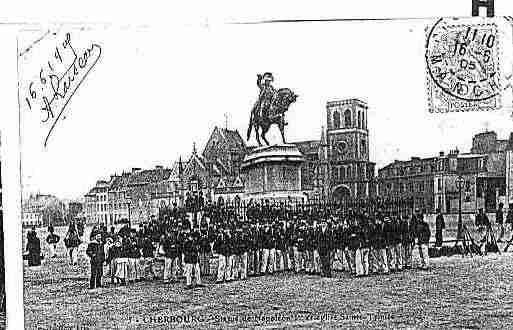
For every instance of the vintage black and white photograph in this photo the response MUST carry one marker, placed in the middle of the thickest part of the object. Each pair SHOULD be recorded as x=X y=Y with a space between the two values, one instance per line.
x=282 y=174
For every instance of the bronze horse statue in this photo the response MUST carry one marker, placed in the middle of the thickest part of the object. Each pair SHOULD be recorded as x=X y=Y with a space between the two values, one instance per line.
x=262 y=120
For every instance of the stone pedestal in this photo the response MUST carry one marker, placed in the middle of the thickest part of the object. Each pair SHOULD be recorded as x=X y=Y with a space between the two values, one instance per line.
x=273 y=172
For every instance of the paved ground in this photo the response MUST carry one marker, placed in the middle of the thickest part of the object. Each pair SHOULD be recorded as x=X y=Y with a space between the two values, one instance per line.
x=470 y=293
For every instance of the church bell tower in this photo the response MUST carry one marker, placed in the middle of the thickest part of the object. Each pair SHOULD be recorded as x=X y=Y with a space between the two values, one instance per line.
x=348 y=148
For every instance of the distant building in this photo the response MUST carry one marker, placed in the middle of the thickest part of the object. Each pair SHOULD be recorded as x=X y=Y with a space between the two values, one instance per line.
x=432 y=181
x=42 y=210
x=97 y=203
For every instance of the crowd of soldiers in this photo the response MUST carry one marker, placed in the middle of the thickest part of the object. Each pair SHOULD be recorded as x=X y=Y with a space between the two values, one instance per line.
x=270 y=238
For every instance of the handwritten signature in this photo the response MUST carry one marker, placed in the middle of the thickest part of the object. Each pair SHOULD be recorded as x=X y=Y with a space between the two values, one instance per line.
x=60 y=88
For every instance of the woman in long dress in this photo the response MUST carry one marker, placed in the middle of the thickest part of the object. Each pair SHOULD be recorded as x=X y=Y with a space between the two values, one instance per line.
x=33 y=248
x=72 y=242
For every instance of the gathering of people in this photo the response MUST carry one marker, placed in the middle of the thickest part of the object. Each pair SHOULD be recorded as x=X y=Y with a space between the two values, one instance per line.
x=273 y=238
x=205 y=239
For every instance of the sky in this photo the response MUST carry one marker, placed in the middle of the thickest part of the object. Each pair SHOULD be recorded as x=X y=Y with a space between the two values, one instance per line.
x=154 y=91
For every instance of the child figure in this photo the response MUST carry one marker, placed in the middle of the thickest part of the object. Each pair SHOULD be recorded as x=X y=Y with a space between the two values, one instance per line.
x=52 y=239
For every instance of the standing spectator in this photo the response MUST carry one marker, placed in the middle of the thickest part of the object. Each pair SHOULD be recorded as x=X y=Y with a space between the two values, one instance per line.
x=33 y=248
x=72 y=242
x=113 y=253
x=440 y=226
x=96 y=254
x=499 y=219
x=121 y=260
x=509 y=217
x=52 y=239
x=423 y=236
x=482 y=222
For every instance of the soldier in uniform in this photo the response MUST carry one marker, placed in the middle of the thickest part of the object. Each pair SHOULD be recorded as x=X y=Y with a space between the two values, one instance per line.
x=380 y=245
x=253 y=268
x=325 y=247
x=244 y=248
x=299 y=248
x=280 y=246
x=288 y=255
x=205 y=238
x=388 y=232
x=397 y=241
x=362 y=264
x=267 y=247
x=407 y=241
x=220 y=249
x=191 y=258
x=353 y=244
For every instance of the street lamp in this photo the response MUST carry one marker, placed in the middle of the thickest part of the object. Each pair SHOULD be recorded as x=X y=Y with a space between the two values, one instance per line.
x=459 y=184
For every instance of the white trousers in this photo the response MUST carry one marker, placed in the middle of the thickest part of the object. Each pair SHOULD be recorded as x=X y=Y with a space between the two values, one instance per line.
x=362 y=261
x=189 y=270
x=424 y=256
x=221 y=268
x=398 y=253
x=52 y=253
x=170 y=269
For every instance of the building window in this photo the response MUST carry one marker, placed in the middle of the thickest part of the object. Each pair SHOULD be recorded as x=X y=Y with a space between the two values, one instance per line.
x=336 y=119
x=363 y=120
x=439 y=185
x=349 y=172
x=343 y=173
x=467 y=186
x=347 y=118
x=363 y=147
x=359 y=119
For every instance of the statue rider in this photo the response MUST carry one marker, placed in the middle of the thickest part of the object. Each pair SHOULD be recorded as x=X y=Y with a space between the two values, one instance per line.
x=267 y=92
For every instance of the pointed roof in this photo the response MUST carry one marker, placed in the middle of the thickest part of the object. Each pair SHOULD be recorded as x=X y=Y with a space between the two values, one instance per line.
x=229 y=138
x=149 y=176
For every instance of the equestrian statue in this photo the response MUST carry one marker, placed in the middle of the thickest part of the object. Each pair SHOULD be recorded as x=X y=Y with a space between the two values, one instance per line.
x=270 y=108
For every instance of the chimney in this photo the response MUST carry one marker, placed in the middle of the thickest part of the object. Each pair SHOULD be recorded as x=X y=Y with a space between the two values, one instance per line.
x=135 y=169
x=442 y=154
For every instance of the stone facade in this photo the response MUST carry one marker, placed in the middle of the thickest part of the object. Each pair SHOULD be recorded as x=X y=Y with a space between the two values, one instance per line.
x=431 y=182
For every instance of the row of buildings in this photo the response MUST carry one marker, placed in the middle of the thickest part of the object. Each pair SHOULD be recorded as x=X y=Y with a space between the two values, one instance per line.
x=44 y=209
x=337 y=166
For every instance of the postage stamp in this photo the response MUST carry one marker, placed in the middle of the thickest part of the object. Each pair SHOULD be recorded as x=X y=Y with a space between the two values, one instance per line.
x=463 y=66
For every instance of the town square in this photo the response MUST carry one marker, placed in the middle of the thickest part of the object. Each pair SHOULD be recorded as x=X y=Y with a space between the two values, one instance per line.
x=284 y=189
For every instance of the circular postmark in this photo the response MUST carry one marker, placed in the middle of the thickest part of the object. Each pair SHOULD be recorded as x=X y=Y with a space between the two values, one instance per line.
x=462 y=60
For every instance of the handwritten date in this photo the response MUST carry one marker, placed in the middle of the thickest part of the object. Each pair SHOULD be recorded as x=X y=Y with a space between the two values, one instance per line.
x=59 y=79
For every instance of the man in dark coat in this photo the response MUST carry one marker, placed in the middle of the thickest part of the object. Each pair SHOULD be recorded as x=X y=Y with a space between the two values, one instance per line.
x=96 y=254
x=423 y=236
x=33 y=248
x=440 y=226
x=499 y=220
